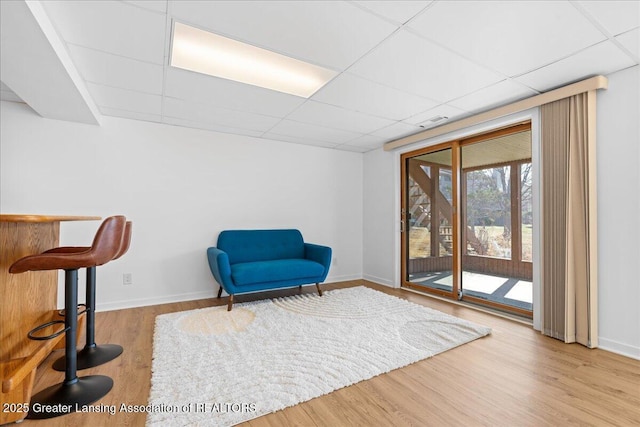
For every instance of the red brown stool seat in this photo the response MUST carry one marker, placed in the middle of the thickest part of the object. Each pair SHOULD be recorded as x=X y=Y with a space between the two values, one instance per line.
x=93 y=355
x=74 y=392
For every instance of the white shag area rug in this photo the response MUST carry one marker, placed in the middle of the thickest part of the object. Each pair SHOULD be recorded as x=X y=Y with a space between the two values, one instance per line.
x=212 y=367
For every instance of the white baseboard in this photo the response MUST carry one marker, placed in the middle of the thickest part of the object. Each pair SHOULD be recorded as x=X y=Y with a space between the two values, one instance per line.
x=379 y=280
x=619 y=348
x=343 y=278
x=167 y=299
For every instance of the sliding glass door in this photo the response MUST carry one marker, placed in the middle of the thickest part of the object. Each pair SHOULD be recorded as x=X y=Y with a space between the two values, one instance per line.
x=482 y=255
x=429 y=221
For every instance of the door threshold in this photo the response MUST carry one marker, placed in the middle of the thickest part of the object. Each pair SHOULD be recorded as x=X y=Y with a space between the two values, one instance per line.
x=508 y=316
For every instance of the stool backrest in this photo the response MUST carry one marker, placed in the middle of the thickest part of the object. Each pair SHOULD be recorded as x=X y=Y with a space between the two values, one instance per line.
x=108 y=240
x=126 y=240
x=106 y=245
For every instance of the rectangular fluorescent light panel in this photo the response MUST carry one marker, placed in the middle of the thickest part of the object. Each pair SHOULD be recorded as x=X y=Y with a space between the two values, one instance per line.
x=204 y=52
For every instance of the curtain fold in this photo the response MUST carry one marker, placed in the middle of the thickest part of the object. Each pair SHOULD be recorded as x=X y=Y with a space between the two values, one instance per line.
x=569 y=232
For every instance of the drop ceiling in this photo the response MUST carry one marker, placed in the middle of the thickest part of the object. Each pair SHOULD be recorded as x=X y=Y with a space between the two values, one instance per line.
x=399 y=63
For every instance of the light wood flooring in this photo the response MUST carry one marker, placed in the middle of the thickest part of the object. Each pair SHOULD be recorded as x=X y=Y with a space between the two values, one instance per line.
x=514 y=377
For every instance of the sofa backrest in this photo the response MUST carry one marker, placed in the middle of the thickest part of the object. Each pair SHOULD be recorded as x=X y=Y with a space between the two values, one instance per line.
x=261 y=245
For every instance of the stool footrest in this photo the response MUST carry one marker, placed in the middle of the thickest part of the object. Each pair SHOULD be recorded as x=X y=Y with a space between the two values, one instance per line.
x=61 y=313
x=32 y=332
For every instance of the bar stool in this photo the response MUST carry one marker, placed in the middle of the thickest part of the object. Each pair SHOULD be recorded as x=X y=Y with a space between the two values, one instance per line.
x=93 y=355
x=74 y=392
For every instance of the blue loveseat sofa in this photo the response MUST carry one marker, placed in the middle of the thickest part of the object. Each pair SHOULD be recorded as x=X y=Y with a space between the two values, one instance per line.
x=258 y=260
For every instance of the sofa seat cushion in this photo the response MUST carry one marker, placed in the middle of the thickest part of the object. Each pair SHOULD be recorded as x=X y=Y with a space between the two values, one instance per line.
x=248 y=273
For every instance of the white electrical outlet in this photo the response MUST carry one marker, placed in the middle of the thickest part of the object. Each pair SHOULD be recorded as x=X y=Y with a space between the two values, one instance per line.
x=127 y=279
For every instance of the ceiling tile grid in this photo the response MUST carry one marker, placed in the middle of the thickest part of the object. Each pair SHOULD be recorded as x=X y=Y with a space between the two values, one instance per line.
x=510 y=37
x=117 y=71
x=399 y=63
x=111 y=26
x=209 y=114
x=6 y=94
x=602 y=58
x=313 y=132
x=615 y=16
x=339 y=118
x=397 y=11
x=413 y=64
x=123 y=99
x=195 y=87
x=631 y=41
x=359 y=94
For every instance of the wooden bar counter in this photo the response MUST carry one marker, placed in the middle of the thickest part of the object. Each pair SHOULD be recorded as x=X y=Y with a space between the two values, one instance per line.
x=26 y=301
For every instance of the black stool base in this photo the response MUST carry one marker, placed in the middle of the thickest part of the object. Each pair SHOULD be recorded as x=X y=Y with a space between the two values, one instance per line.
x=62 y=399
x=90 y=357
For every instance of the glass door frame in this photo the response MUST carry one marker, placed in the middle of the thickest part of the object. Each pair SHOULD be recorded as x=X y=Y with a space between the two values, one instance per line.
x=457 y=185
x=404 y=218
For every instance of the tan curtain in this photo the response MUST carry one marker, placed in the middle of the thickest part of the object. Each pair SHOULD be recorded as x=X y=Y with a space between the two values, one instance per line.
x=569 y=233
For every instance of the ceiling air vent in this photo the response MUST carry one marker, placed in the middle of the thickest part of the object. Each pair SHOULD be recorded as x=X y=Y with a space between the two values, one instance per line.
x=432 y=121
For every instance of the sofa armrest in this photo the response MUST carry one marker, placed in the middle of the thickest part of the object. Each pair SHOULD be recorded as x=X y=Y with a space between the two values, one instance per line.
x=319 y=254
x=220 y=267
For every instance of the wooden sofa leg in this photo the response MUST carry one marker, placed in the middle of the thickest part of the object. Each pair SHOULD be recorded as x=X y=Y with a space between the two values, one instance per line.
x=230 y=305
x=300 y=289
x=220 y=292
x=318 y=288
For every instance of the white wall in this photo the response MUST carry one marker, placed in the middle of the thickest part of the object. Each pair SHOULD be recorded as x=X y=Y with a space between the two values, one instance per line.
x=618 y=165
x=379 y=209
x=618 y=157
x=180 y=187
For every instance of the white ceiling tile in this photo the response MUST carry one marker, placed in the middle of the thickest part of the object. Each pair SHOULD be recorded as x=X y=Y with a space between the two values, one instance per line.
x=209 y=114
x=209 y=126
x=155 y=5
x=228 y=94
x=615 y=16
x=501 y=93
x=602 y=58
x=368 y=141
x=298 y=140
x=512 y=37
x=444 y=110
x=415 y=65
x=127 y=100
x=131 y=115
x=396 y=10
x=114 y=70
x=397 y=130
x=114 y=27
x=329 y=33
x=363 y=95
x=631 y=41
x=335 y=117
x=313 y=132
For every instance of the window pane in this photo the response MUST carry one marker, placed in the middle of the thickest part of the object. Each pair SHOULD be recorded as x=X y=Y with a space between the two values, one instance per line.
x=429 y=217
x=419 y=219
x=488 y=210
x=527 y=209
